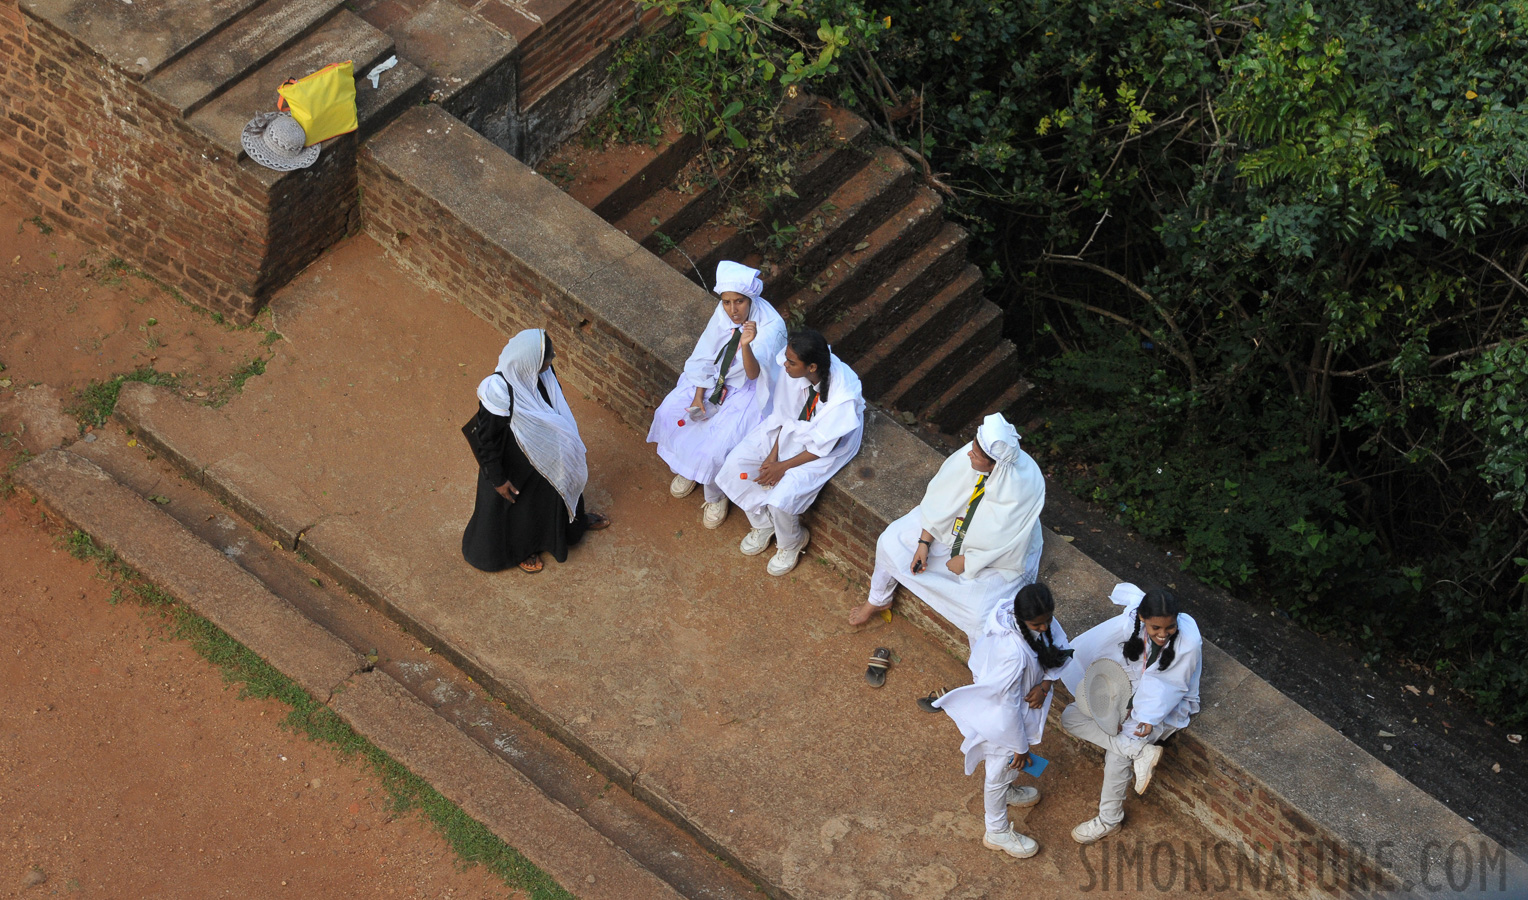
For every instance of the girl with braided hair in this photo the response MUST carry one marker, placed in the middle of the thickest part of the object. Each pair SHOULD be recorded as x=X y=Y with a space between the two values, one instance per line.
x=1018 y=657
x=816 y=420
x=1160 y=650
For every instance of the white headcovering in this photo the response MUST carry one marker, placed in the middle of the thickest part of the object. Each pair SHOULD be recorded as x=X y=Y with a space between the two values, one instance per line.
x=768 y=343
x=998 y=439
x=1000 y=531
x=738 y=278
x=548 y=436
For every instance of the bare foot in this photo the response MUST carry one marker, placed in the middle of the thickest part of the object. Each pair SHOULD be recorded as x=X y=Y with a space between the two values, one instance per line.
x=864 y=613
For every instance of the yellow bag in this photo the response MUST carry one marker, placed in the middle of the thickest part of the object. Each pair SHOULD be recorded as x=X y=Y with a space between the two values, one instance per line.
x=322 y=103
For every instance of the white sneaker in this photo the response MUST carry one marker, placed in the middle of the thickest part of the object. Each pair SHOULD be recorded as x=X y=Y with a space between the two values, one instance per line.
x=785 y=560
x=1023 y=797
x=1145 y=765
x=756 y=541
x=1092 y=831
x=712 y=515
x=681 y=486
x=1016 y=845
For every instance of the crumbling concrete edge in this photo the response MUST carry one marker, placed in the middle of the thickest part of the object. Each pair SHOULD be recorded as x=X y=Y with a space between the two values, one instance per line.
x=76 y=491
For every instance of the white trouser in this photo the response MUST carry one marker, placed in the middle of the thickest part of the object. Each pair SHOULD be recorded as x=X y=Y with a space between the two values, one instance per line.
x=712 y=492
x=1120 y=751
x=789 y=535
x=998 y=776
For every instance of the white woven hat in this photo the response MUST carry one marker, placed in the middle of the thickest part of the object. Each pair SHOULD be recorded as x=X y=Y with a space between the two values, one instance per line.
x=276 y=141
x=1105 y=694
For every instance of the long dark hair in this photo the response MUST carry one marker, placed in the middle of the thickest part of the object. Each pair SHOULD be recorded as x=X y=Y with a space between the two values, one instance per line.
x=1033 y=602
x=1156 y=603
x=812 y=348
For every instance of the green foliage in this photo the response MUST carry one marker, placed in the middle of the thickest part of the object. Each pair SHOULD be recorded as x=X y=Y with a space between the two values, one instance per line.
x=93 y=403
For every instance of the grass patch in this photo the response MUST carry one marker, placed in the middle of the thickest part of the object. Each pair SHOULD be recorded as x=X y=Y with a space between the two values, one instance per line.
x=234 y=382
x=472 y=841
x=42 y=225
x=94 y=402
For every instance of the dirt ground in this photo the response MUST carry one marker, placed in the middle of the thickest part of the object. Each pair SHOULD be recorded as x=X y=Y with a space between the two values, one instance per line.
x=128 y=768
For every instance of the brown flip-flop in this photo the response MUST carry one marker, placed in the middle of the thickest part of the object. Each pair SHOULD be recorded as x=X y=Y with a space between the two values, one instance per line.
x=532 y=564
x=596 y=522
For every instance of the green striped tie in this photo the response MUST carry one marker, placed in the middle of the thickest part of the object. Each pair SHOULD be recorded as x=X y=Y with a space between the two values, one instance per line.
x=965 y=522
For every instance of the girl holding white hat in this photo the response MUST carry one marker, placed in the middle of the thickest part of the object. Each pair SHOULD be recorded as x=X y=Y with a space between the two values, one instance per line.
x=724 y=390
x=1136 y=680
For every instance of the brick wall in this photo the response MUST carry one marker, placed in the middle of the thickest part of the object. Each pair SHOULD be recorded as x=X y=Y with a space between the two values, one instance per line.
x=101 y=156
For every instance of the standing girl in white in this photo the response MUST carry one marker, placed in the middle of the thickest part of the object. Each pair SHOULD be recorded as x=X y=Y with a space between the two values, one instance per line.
x=1162 y=654
x=816 y=419
x=724 y=390
x=1019 y=655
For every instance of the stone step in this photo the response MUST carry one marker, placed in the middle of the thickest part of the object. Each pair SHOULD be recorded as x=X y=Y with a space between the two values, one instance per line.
x=408 y=703
x=989 y=379
x=851 y=278
x=672 y=213
x=397 y=89
x=242 y=46
x=843 y=137
x=620 y=177
x=697 y=255
x=912 y=337
x=140 y=38
x=469 y=65
x=919 y=279
x=935 y=372
x=344 y=36
x=850 y=212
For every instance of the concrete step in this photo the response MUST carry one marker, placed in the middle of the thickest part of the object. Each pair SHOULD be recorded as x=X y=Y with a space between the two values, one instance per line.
x=269 y=600
x=242 y=46
x=919 y=279
x=933 y=373
x=852 y=211
x=851 y=278
x=914 y=337
x=469 y=65
x=989 y=379
x=344 y=36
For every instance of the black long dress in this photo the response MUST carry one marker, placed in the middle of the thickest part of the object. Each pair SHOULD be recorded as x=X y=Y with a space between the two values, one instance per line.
x=502 y=534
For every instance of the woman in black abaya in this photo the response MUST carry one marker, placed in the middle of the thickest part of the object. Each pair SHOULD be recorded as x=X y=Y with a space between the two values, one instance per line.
x=531 y=471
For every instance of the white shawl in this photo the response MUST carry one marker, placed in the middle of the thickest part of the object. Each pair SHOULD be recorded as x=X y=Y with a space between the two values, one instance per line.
x=700 y=369
x=1000 y=532
x=548 y=437
x=1161 y=698
x=842 y=413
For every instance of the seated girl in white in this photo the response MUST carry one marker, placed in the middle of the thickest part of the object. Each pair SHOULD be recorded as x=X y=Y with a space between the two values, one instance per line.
x=1019 y=655
x=1162 y=653
x=816 y=419
x=973 y=541
x=724 y=390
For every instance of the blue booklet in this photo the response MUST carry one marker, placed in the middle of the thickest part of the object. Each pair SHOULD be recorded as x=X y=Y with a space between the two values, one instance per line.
x=1037 y=764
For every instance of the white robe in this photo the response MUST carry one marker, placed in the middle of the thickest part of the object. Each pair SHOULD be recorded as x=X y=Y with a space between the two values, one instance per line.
x=1158 y=698
x=833 y=435
x=696 y=449
x=964 y=600
x=991 y=712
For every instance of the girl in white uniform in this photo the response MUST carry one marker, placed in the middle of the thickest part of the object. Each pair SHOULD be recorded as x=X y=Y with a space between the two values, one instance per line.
x=1017 y=659
x=973 y=541
x=816 y=420
x=724 y=390
x=1162 y=652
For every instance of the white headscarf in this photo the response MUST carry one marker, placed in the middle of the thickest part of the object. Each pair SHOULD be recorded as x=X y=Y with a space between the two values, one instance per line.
x=739 y=279
x=1000 y=531
x=701 y=367
x=548 y=437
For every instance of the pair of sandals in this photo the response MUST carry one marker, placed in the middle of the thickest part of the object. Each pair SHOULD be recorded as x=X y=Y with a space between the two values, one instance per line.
x=533 y=564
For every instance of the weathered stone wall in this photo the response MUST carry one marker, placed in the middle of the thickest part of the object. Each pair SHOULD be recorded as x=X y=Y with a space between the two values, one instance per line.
x=104 y=158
